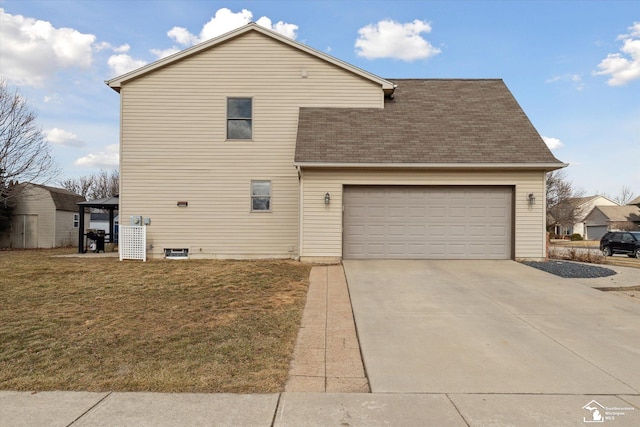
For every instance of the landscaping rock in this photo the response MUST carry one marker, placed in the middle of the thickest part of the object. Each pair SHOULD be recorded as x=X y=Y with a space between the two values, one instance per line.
x=571 y=270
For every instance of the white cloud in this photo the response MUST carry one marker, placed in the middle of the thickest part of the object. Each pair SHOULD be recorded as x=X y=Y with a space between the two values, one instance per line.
x=224 y=21
x=623 y=67
x=287 y=30
x=391 y=39
x=52 y=99
x=574 y=79
x=182 y=36
x=63 y=137
x=103 y=159
x=160 y=53
x=122 y=48
x=552 y=143
x=123 y=63
x=34 y=50
x=107 y=46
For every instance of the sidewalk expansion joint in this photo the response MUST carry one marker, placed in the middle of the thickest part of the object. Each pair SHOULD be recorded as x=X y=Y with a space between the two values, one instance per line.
x=90 y=409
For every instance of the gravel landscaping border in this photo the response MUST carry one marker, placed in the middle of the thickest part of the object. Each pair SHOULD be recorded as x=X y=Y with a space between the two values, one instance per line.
x=571 y=270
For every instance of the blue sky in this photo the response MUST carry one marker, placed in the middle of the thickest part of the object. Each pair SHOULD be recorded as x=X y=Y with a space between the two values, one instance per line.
x=574 y=66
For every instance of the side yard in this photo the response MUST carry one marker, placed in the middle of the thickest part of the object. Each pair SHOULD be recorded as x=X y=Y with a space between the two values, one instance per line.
x=171 y=326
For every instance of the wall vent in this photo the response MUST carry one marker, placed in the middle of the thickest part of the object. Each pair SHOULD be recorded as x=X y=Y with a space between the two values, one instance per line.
x=176 y=253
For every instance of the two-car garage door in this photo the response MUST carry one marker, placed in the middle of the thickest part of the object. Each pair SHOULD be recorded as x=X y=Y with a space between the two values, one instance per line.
x=421 y=222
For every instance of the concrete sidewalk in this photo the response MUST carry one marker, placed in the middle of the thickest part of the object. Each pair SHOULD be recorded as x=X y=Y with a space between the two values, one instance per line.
x=327 y=357
x=312 y=409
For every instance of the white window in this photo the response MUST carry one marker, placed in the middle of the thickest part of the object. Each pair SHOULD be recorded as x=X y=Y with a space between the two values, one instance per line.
x=260 y=196
x=239 y=118
x=76 y=220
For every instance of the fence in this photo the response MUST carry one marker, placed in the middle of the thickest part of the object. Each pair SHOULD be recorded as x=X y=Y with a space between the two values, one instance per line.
x=132 y=242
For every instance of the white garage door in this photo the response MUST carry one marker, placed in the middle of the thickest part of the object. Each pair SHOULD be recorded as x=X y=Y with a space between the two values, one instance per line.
x=416 y=222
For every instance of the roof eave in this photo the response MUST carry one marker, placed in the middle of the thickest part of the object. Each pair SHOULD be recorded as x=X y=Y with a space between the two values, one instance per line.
x=526 y=166
x=116 y=82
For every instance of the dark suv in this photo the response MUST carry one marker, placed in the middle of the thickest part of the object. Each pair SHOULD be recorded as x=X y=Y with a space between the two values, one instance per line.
x=621 y=242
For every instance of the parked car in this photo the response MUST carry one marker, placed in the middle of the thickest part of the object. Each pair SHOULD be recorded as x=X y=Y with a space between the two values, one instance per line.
x=621 y=242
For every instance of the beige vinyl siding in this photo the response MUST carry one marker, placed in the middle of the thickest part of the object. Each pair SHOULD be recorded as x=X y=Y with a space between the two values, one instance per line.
x=321 y=225
x=174 y=147
x=38 y=201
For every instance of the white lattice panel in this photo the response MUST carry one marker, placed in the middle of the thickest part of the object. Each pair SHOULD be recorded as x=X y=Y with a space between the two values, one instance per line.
x=132 y=242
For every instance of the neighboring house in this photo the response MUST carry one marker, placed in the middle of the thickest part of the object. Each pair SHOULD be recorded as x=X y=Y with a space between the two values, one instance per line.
x=44 y=217
x=253 y=145
x=635 y=201
x=582 y=206
x=605 y=218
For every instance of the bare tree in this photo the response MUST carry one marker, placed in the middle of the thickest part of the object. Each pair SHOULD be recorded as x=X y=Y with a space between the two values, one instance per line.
x=562 y=209
x=25 y=155
x=625 y=196
x=97 y=186
x=82 y=185
x=106 y=184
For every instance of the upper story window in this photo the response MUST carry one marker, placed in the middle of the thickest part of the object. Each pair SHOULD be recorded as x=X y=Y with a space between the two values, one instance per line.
x=239 y=118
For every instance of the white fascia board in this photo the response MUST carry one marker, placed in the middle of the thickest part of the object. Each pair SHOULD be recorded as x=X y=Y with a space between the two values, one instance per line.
x=116 y=82
x=538 y=166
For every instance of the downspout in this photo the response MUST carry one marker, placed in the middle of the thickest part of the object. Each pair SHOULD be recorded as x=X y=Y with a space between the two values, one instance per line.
x=300 y=211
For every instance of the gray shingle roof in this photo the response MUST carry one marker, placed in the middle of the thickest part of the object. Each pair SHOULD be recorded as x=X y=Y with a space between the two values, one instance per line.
x=428 y=121
x=621 y=213
x=64 y=200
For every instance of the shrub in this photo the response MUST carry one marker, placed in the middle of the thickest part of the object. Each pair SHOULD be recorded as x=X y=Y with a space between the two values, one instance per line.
x=576 y=237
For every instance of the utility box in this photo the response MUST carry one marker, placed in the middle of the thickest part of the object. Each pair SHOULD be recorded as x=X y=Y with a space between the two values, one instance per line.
x=135 y=220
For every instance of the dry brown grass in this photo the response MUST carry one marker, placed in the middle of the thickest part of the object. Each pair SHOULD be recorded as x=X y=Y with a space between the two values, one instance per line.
x=590 y=254
x=575 y=254
x=577 y=243
x=171 y=326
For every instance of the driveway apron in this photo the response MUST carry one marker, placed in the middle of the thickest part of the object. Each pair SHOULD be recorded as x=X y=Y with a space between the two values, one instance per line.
x=490 y=327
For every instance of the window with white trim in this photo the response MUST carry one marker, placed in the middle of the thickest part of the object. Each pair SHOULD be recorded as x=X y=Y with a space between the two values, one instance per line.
x=260 y=196
x=76 y=220
x=239 y=118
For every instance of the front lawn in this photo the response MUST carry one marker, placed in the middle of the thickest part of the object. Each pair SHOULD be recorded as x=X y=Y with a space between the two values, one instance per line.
x=99 y=324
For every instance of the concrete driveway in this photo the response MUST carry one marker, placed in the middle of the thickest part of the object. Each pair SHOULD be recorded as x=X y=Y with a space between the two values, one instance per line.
x=491 y=327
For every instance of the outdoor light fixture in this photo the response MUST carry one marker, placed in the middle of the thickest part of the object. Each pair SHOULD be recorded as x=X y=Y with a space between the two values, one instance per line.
x=327 y=199
x=532 y=199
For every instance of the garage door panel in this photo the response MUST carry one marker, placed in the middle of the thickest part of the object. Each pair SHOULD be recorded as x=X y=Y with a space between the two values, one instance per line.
x=459 y=231
x=478 y=231
x=416 y=230
x=497 y=213
x=437 y=211
x=456 y=249
x=437 y=230
x=477 y=212
x=500 y=231
x=435 y=250
x=458 y=212
x=428 y=222
x=397 y=230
